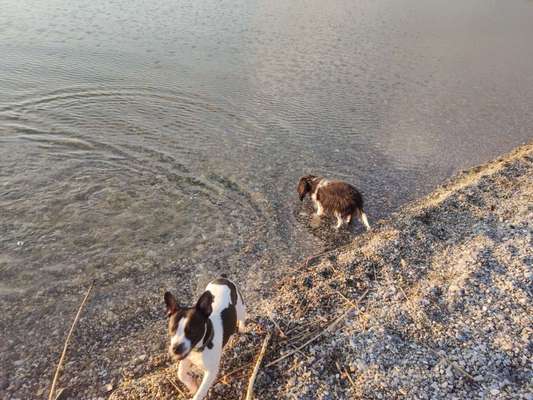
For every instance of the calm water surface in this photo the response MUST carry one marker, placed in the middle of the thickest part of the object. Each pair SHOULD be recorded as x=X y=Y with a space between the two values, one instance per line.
x=153 y=144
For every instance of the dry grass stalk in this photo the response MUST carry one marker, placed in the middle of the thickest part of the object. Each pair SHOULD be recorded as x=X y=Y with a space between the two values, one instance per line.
x=456 y=366
x=236 y=370
x=59 y=393
x=305 y=324
x=345 y=372
x=328 y=328
x=346 y=298
x=65 y=346
x=303 y=335
x=277 y=326
x=176 y=387
x=250 y=390
x=325 y=253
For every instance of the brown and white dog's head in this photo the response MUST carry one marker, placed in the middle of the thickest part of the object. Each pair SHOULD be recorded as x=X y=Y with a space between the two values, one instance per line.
x=305 y=185
x=187 y=325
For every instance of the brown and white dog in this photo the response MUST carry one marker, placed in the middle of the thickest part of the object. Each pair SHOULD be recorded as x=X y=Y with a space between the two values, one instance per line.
x=198 y=334
x=334 y=197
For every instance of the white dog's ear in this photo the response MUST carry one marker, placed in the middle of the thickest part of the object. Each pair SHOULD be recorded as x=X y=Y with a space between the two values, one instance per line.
x=172 y=304
x=204 y=304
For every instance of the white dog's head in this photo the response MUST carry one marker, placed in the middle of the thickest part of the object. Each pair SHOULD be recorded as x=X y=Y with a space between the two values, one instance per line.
x=187 y=325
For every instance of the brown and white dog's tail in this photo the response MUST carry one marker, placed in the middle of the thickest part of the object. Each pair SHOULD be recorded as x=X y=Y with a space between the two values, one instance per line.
x=364 y=220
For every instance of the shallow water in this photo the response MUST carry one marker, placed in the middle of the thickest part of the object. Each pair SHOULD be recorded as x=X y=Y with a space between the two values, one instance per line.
x=154 y=144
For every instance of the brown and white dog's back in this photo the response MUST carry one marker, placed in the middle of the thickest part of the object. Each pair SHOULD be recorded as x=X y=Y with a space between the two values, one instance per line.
x=334 y=197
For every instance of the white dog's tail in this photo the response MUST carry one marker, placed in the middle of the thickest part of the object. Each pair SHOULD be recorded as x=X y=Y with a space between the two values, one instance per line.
x=364 y=220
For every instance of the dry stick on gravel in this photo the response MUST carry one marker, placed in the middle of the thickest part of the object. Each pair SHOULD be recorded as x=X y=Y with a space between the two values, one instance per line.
x=298 y=327
x=250 y=390
x=453 y=364
x=62 y=358
x=307 y=323
x=346 y=298
x=59 y=393
x=347 y=375
x=324 y=253
x=302 y=336
x=271 y=318
x=176 y=387
x=242 y=367
x=328 y=328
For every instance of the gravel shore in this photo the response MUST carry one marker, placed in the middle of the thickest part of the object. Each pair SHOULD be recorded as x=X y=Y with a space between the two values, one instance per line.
x=434 y=303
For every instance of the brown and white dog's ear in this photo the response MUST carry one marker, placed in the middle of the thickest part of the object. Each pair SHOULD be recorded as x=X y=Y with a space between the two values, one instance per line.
x=172 y=304
x=204 y=304
x=304 y=187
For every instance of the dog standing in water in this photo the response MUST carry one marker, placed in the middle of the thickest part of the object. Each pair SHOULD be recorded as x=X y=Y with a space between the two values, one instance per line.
x=334 y=197
x=198 y=334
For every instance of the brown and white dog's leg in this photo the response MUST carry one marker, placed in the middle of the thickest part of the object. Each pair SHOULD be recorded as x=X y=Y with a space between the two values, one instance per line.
x=348 y=219
x=340 y=220
x=364 y=220
x=319 y=209
x=318 y=206
x=186 y=377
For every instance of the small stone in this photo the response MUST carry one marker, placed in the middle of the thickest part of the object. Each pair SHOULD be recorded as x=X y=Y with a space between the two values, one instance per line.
x=108 y=388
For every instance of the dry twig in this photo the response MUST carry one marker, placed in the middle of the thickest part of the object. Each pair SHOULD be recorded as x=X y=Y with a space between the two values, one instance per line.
x=345 y=372
x=65 y=346
x=325 y=253
x=346 y=298
x=250 y=390
x=176 y=387
x=271 y=318
x=299 y=326
x=328 y=328
x=236 y=370
x=456 y=366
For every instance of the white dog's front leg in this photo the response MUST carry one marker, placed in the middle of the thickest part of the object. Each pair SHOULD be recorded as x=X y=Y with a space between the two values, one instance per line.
x=207 y=381
x=185 y=375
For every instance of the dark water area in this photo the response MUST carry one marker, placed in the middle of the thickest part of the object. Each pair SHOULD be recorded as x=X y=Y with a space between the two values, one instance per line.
x=150 y=145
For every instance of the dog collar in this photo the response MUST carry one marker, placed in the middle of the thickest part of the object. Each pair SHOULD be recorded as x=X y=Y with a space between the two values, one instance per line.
x=207 y=340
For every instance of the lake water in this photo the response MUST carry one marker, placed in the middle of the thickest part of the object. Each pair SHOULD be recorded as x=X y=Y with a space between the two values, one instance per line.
x=151 y=145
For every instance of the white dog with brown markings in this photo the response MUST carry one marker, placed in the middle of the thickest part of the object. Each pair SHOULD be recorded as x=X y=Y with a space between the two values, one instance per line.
x=198 y=334
x=333 y=197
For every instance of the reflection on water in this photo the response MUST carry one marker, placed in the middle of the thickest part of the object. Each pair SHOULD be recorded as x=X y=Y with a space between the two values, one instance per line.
x=154 y=144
